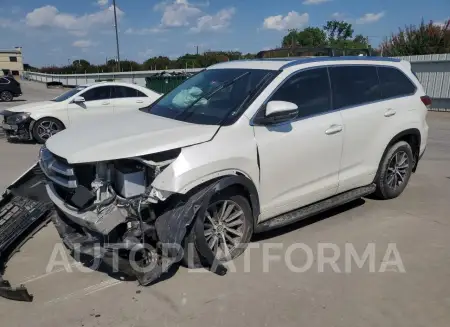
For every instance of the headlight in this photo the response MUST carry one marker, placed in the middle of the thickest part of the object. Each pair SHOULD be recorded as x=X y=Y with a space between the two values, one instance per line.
x=18 y=118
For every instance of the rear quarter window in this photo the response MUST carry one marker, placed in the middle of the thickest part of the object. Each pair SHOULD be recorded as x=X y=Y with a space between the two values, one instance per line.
x=394 y=83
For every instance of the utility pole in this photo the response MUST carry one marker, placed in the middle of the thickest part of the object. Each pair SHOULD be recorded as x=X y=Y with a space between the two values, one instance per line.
x=117 y=36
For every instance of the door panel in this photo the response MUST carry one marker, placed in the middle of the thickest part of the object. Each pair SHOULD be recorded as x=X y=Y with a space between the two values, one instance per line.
x=375 y=115
x=299 y=160
x=97 y=105
x=299 y=163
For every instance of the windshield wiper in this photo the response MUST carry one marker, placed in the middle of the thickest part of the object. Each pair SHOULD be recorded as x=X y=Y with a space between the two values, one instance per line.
x=210 y=94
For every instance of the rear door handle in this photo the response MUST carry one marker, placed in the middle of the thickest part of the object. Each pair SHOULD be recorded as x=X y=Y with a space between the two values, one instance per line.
x=390 y=112
x=139 y=101
x=334 y=129
x=105 y=103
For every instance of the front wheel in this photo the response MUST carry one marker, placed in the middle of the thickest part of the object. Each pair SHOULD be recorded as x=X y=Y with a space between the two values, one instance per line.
x=228 y=228
x=45 y=128
x=395 y=171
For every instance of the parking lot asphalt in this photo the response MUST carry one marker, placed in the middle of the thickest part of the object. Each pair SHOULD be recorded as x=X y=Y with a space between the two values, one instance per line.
x=413 y=291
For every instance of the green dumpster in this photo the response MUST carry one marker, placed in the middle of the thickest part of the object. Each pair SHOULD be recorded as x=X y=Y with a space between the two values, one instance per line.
x=165 y=82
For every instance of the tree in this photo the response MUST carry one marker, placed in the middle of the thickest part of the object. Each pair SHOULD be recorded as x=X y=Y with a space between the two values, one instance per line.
x=80 y=63
x=412 y=40
x=309 y=37
x=158 y=63
x=338 y=30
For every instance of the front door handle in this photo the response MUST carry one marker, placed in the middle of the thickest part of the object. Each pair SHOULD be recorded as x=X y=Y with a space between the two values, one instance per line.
x=390 y=112
x=105 y=103
x=139 y=101
x=334 y=129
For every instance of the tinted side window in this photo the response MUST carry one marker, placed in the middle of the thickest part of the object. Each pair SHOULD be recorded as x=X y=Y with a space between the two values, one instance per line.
x=394 y=83
x=4 y=81
x=124 y=92
x=354 y=85
x=97 y=93
x=309 y=90
x=140 y=94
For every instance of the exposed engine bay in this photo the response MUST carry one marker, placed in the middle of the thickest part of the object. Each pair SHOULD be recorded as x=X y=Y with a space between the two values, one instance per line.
x=110 y=210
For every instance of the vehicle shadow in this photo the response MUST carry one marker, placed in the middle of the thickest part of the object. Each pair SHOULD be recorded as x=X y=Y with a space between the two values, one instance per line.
x=308 y=221
x=17 y=141
x=87 y=261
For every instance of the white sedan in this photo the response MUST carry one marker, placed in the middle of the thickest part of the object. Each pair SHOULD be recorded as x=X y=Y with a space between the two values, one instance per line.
x=41 y=120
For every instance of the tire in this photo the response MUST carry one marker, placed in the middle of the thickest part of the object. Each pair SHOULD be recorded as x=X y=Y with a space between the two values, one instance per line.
x=6 y=96
x=192 y=257
x=395 y=171
x=44 y=128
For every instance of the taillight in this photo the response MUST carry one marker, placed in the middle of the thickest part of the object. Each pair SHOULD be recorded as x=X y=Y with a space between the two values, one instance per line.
x=426 y=100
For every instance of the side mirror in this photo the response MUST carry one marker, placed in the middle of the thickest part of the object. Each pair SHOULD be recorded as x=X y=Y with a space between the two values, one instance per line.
x=78 y=99
x=276 y=112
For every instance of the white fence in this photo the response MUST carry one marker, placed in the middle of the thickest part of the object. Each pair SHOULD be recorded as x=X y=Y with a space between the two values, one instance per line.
x=137 y=77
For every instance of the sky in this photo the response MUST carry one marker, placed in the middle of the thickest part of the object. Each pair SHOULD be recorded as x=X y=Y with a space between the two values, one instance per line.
x=55 y=32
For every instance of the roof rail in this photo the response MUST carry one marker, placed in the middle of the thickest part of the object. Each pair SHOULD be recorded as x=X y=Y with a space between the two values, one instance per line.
x=320 y=51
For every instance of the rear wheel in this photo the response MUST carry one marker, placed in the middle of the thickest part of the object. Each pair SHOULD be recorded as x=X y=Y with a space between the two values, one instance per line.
x=45 y=128
x=395 y=171
x=6 y=96
x=228 y=228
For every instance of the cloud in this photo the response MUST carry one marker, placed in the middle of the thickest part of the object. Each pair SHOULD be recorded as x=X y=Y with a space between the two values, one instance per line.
x=144 y=31
x=102 y=3
x=83 y=44
x=147 y=53
x=314 y=2
x=370 y=18
x=441 y=23
x=338 y=15
x=280 y=23
x=217 y=22
x=15 y=10
x=178 y=13
x=50 y=16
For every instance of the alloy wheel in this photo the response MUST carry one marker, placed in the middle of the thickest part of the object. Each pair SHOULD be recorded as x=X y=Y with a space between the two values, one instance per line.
x=397 y=170
x=224 y=227
x=46 y=129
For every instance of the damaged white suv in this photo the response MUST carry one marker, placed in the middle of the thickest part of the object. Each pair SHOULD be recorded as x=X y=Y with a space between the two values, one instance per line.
x=239 y=148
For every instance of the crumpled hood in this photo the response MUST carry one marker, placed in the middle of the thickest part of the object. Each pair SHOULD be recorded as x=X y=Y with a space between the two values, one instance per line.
x=126 y=135
x=33 y=107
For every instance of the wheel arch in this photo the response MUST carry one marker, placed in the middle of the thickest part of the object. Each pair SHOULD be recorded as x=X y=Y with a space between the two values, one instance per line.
x=411 y=136
x=238 y=180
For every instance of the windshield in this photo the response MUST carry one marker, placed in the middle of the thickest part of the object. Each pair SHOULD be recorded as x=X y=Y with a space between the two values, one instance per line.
x=68 y=94
x=202 y=99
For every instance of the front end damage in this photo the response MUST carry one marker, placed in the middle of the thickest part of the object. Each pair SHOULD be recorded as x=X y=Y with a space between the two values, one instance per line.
x=17 y=125
x=111 y=211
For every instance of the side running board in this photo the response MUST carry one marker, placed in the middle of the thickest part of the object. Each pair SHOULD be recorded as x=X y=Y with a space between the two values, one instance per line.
x=314 y=209
x=24 y=209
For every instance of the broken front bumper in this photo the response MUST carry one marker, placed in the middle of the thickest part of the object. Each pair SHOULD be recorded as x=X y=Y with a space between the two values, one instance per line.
x=21 y=131
x=89 y=234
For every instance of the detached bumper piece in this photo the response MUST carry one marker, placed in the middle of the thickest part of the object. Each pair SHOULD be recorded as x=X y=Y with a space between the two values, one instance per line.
x=24 y=210
x=14 y=293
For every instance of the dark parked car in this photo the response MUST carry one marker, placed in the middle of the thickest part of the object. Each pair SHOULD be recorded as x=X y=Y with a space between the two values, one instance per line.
x=9 y=88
